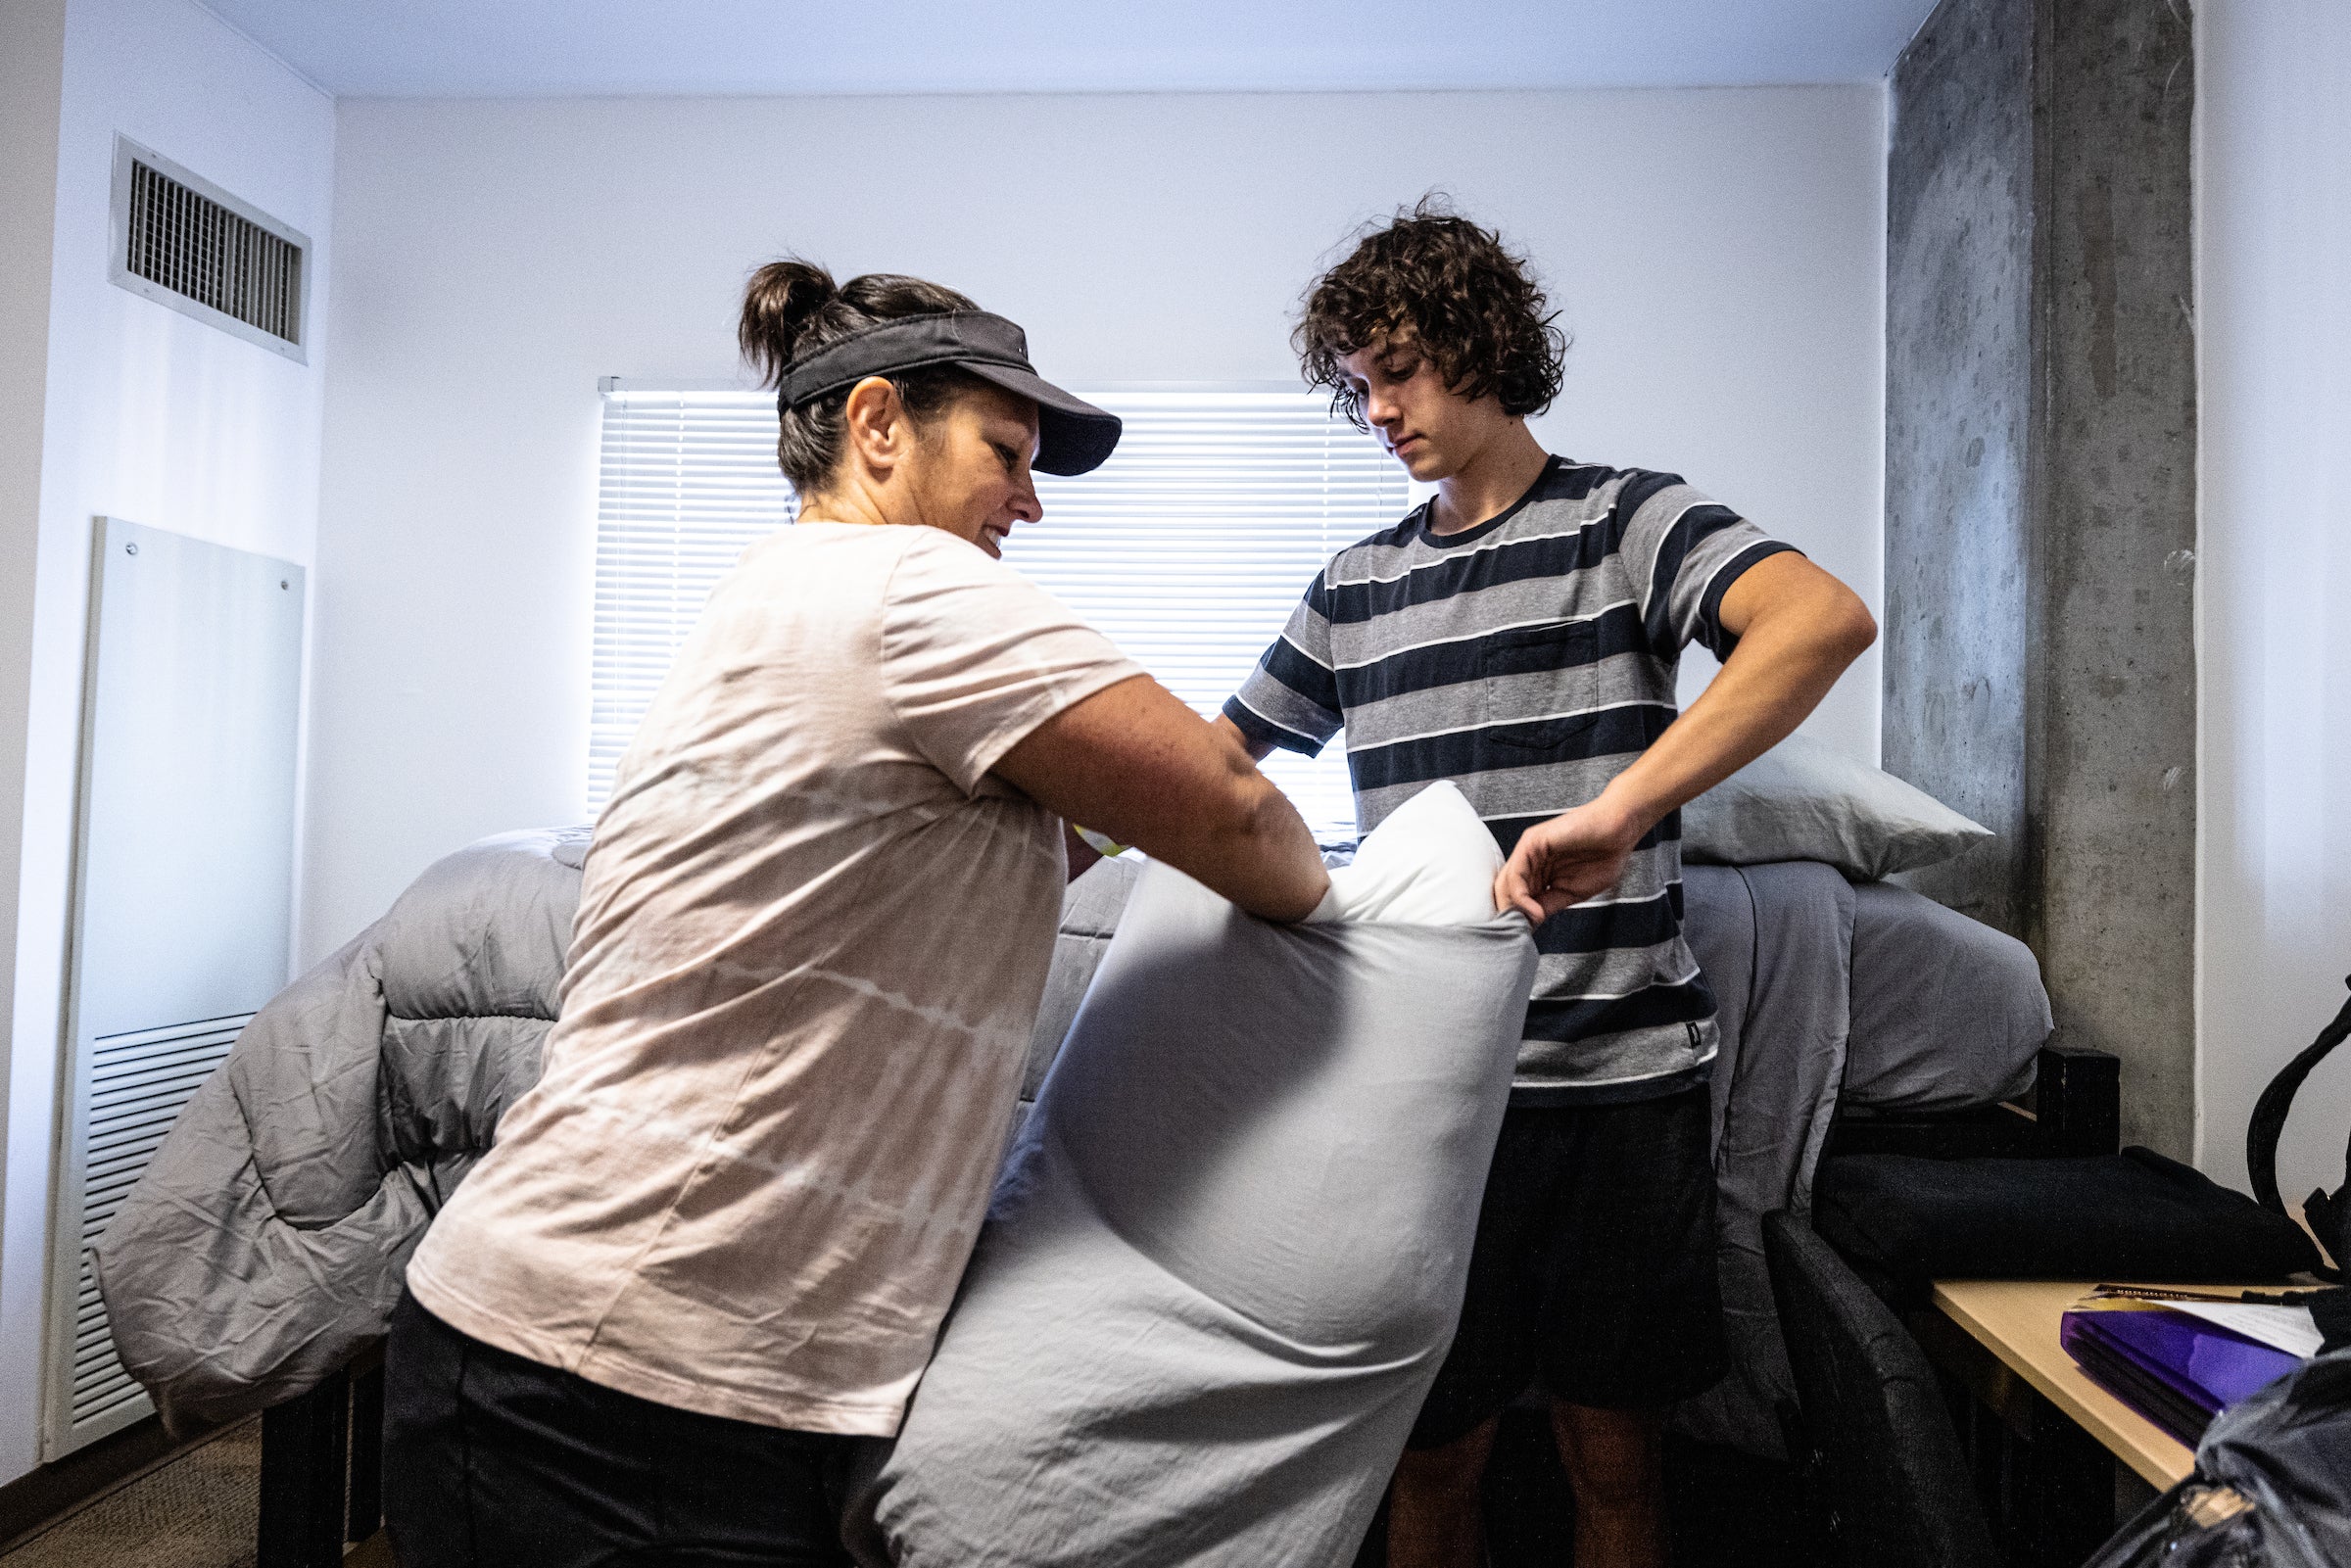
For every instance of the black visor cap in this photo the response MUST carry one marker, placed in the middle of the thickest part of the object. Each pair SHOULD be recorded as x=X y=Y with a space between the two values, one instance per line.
x=1074 y=437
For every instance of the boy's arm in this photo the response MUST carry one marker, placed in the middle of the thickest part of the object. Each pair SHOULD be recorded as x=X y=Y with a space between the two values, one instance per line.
x=1798 y=629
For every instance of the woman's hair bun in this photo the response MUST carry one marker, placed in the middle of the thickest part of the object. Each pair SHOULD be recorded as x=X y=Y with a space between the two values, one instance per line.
x=783 y=297
x=792 y=309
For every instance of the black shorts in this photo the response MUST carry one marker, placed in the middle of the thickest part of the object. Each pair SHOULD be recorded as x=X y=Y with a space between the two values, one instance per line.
x=1593 y=1273
x=493 y=1460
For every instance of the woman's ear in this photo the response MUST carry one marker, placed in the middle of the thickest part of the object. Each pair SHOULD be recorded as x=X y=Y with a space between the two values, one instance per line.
x=875 y=424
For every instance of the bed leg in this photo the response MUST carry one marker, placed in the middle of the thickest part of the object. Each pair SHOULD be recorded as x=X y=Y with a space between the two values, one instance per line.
x=304 y=1454
x=366 y=1515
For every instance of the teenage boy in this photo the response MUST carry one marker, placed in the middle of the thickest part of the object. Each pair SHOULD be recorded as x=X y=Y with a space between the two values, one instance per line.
x=1517 y=634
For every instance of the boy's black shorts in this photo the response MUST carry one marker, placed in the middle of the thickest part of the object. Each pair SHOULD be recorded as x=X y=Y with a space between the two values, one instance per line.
x=1593 y=1273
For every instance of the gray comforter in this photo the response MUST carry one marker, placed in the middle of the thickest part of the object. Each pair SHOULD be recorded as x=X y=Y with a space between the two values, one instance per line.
x=266 y=1241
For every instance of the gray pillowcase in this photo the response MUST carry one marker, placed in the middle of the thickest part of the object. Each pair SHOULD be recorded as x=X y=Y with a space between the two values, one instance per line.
x=1805 y=800
x=1226 y=1257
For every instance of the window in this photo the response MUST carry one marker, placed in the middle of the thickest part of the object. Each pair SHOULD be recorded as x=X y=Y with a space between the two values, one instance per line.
x=685 y=481
x=1188 y=549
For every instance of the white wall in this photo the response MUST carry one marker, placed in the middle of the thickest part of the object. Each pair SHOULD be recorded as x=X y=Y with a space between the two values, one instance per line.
x=2273 y=187
x=155 y=418
x=1716 y=252
x=32 y=52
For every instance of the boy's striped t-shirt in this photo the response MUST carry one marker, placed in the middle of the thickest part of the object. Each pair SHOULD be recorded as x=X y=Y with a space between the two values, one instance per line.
x=1530 y=660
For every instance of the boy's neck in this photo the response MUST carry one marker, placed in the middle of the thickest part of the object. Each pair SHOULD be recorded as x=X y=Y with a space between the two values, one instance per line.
x=1490 y=483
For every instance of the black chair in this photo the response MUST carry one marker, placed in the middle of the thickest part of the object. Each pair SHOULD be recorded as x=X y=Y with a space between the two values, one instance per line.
x=1898 y=1491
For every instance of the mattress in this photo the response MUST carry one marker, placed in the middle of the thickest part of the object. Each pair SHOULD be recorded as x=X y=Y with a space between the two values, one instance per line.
x=1947 y=1011
x=1944 y=1014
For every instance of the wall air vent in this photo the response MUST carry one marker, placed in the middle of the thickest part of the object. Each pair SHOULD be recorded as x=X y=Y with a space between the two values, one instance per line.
x=184 y=242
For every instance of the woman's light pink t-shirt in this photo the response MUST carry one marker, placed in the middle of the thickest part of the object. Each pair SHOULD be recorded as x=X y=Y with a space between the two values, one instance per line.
x=810 y=945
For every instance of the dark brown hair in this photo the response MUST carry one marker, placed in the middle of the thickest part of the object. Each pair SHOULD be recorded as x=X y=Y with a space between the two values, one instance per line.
x=794 y=307
x=1475 y=309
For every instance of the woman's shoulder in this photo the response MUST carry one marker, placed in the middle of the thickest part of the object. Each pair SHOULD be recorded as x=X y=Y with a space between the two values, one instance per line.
x=933 y=548
x=831 y=550
x=931 y=558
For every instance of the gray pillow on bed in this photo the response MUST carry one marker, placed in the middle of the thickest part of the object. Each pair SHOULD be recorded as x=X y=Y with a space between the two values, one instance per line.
x=1805 y=800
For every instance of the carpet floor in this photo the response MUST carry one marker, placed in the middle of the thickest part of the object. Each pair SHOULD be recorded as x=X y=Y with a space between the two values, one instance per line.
x=197 y=1511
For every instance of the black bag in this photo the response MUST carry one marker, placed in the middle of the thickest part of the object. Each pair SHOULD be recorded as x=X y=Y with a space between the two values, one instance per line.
x=2271 y=1487
x=1904 y=1221
x=2328 y=1214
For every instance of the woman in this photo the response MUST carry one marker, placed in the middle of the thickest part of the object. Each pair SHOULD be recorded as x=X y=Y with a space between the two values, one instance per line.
x=715 y=1243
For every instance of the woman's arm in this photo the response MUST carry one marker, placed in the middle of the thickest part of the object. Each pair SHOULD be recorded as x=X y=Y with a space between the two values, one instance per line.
x=1133 y=762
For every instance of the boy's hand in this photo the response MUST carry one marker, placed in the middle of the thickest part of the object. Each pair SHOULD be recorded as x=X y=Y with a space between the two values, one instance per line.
x=1576 y=855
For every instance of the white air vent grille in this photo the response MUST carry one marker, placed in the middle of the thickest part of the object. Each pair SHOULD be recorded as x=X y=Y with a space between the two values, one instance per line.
x=138 y=1084
x=185 y=243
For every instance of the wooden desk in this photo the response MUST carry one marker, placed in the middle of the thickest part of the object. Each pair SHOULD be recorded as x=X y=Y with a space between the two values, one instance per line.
x=2017 y=1322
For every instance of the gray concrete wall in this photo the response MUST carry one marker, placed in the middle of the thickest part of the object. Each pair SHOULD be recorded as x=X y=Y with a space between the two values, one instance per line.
x=2041 y=666
x=1958 y=402
x=2115 y=742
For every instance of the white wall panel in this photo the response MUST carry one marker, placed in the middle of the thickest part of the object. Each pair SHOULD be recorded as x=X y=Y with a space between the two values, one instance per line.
x=182 y=893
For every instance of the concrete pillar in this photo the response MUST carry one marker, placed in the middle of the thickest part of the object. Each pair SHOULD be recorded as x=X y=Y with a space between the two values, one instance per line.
x=2041 y=502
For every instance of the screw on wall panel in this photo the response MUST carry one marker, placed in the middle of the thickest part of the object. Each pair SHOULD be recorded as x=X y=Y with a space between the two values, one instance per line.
x=281 y=581
x=131 y=549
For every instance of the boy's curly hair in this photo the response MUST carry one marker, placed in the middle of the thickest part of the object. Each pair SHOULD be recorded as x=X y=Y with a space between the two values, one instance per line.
x=1475 y=309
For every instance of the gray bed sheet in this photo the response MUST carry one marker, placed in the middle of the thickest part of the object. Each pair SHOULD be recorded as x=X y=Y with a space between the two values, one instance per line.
x=1775 y=942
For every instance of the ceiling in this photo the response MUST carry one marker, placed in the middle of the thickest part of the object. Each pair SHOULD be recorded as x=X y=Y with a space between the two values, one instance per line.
x=564 y=48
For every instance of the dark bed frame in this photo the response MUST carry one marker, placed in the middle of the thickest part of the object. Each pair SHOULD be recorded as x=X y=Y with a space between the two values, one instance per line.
x=2073 y=1107
x=322 y=1452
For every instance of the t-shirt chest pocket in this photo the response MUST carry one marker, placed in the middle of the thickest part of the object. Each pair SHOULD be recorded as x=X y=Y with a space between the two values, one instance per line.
x=1542 y=689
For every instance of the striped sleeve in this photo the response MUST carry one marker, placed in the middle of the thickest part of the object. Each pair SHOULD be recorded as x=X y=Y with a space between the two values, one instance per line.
x=1685 y=551
x=1291 y=699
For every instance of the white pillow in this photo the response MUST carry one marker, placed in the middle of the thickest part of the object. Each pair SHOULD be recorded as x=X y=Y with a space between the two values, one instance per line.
x=1805 y=800
x=1430 y=863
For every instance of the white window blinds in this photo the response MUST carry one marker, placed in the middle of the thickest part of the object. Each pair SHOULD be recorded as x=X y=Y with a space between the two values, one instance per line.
x=685 y=481
x=1191 y=546
x=1188 y=549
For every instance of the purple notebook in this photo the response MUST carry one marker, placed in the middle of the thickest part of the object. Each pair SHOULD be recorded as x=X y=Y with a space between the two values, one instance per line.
x=2176 y=1370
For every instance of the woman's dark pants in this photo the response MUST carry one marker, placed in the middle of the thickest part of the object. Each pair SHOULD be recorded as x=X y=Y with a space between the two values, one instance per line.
x=493 y=1460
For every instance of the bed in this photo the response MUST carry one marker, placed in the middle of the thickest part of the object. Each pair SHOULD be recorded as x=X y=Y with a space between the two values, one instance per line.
x=1865 y=998
x=255 y=1262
